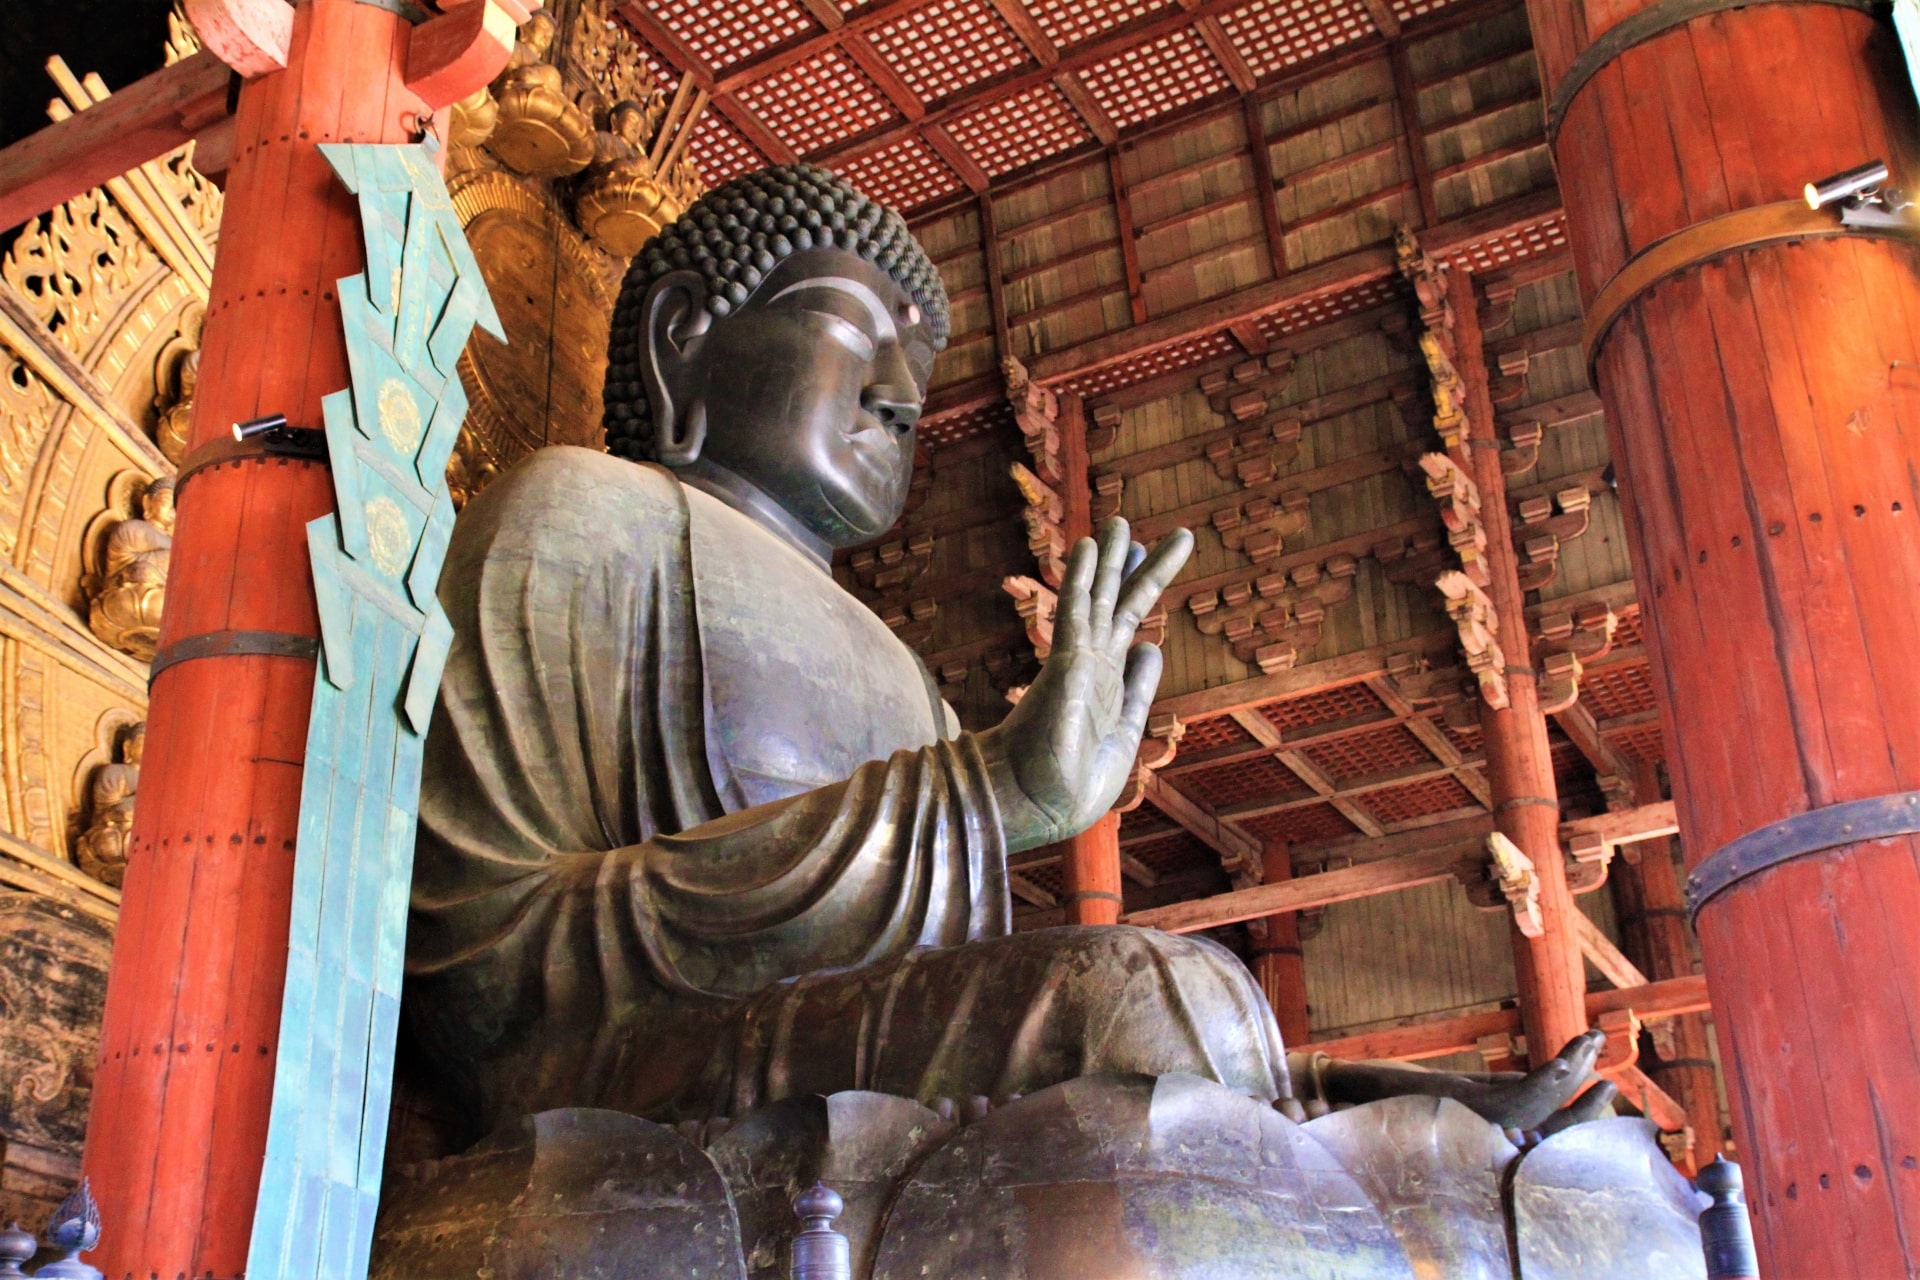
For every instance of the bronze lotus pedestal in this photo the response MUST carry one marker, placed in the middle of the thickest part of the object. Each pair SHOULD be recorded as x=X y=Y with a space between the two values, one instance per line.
x=710 y=900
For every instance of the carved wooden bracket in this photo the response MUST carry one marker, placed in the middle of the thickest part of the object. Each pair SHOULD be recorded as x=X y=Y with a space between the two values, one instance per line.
x=1258 y=529
x=894 y=565
x=1255 y=456
x=1588 y=857
x=1107 y=488
x=1044 y=514
x=1246 y=390
x=1459 y=500
x=1157 y=748
x=1103 y=425
x=1513 y=872
x=1473 y=616
x=1622 y=1051
x=1565 y=641
x=1036 y=606
x=1425 y=686
x=1036 y=411
x=1271 y=619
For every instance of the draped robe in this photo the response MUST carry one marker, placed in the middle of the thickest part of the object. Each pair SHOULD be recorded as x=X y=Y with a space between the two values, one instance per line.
x=697 y=833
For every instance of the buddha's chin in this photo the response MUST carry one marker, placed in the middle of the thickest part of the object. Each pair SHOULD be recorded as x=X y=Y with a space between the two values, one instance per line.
x=864 y=519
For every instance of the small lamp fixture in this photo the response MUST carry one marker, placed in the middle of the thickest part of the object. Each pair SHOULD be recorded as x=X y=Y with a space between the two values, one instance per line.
x=1863 y=198
x=279 y=439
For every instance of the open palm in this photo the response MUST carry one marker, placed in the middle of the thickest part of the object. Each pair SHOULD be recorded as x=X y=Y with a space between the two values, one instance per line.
x=1061 y=757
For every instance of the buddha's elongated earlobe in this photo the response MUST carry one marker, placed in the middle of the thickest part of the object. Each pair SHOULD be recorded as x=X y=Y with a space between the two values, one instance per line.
x=674 y=319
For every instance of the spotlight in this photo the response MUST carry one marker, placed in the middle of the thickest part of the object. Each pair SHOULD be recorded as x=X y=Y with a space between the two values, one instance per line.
x=1862 y=180
x=258 y=426
x=278 y=439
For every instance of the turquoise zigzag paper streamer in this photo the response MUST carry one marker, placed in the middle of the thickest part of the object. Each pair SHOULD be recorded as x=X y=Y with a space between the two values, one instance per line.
x=384 y=638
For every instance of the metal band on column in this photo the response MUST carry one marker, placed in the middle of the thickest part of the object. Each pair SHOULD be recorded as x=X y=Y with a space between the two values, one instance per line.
x=1646 y=25
x=1803 y=835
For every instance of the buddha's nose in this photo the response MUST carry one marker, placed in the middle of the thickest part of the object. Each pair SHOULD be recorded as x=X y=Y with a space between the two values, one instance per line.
x=892 y=396
x=896 y=406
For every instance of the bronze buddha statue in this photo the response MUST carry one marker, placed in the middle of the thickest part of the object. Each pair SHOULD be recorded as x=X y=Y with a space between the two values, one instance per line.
x=698 y=835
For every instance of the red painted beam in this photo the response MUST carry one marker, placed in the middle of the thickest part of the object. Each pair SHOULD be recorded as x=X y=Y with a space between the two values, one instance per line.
x=146 y=119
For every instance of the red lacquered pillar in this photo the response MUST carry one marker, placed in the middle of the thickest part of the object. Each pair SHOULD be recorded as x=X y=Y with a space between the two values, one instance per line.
x=1764 y=411
x=184 y=1084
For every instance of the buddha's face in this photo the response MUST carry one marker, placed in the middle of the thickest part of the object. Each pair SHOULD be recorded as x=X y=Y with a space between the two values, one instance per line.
x=810 y=390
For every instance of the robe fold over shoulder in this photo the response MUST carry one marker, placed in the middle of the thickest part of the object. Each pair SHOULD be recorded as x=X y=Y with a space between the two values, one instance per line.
x=599 y=914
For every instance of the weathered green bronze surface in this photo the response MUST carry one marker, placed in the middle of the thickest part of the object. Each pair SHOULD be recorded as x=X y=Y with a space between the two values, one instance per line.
x=1601 y=1199
x=1433 y=1169
x=1131 y=1178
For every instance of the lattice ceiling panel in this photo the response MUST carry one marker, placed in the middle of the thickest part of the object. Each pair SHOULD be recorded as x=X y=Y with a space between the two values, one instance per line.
x=1407 y=10
x=1417 y=800
x=1465 y=740
x=1048 y=878
x=1329 y=307
x=955 y=427
x=1617 y=691
x=1014 y=132
x=818 y=102
x=1369 y=754
x=1631 y=630
x=943 y=48
x=1173 y=853
x=1298 y=826
x=1167 y=359
x=1272 y=34
x=904 y=176
x=1325 y=707
x=1260 y=778
x=1495 y=252
x=1221 y=731
x=1156 y=78
x=1643 y=744
x=725 y=32
x=1071 y=22
x=719 y=152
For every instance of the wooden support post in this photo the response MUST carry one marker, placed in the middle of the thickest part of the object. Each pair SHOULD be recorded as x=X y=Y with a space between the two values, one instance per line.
x=185 y=1078
x=1090 y=873
x=1763 y=406
x=1526 y=806
x=1279 y=965
x=1653 y=931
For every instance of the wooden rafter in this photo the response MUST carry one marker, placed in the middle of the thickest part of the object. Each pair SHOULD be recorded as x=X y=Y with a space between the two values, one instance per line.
x=1263 y=731
x=1437 y=1037
x=1235 y=847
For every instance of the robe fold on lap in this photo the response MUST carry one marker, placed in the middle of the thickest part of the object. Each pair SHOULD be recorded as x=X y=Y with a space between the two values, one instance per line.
x=697 y=833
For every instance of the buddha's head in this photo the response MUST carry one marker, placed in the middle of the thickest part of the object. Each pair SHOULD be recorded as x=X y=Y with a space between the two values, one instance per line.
x=782 y=329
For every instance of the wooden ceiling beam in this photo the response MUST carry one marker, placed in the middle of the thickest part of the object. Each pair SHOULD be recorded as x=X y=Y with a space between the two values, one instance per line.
x=1385 y=21
x=1260 y=150
x=1313 y=677
x=1434 y=739
x=1235 y=847
x=885 y=78
x=1601 y=952
x=1304 y=893
x=1437 y=1037
x=1027 y=31
x=141 y=122
x=1322 y=280
x=1075 y=90
x=1578 y=724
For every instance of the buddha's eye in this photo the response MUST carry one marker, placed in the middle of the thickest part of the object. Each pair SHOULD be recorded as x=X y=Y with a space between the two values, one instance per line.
x=846 y=333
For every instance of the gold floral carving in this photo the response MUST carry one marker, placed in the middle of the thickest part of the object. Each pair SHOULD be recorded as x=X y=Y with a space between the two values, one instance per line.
x=74 y=265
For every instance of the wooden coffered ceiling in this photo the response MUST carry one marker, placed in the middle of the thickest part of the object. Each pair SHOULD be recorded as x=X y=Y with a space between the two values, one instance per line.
x=921 y=100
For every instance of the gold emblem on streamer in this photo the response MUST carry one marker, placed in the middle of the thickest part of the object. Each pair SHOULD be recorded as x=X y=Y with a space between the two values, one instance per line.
x=399 y=416
x=388 y=536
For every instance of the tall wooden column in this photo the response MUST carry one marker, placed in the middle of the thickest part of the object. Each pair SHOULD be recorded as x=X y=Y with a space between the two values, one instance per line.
x=1279 y=965
x=1526 y=806
x=184 y=1085
x=1090 y=873
x=1653 y=933
x=1764 y=411
x=1090 y=861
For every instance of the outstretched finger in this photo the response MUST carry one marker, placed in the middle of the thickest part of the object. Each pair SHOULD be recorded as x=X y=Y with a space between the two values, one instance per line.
x=1107 y=579
x=1070 y=628
x=1146 y=584
x=1142 y=682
